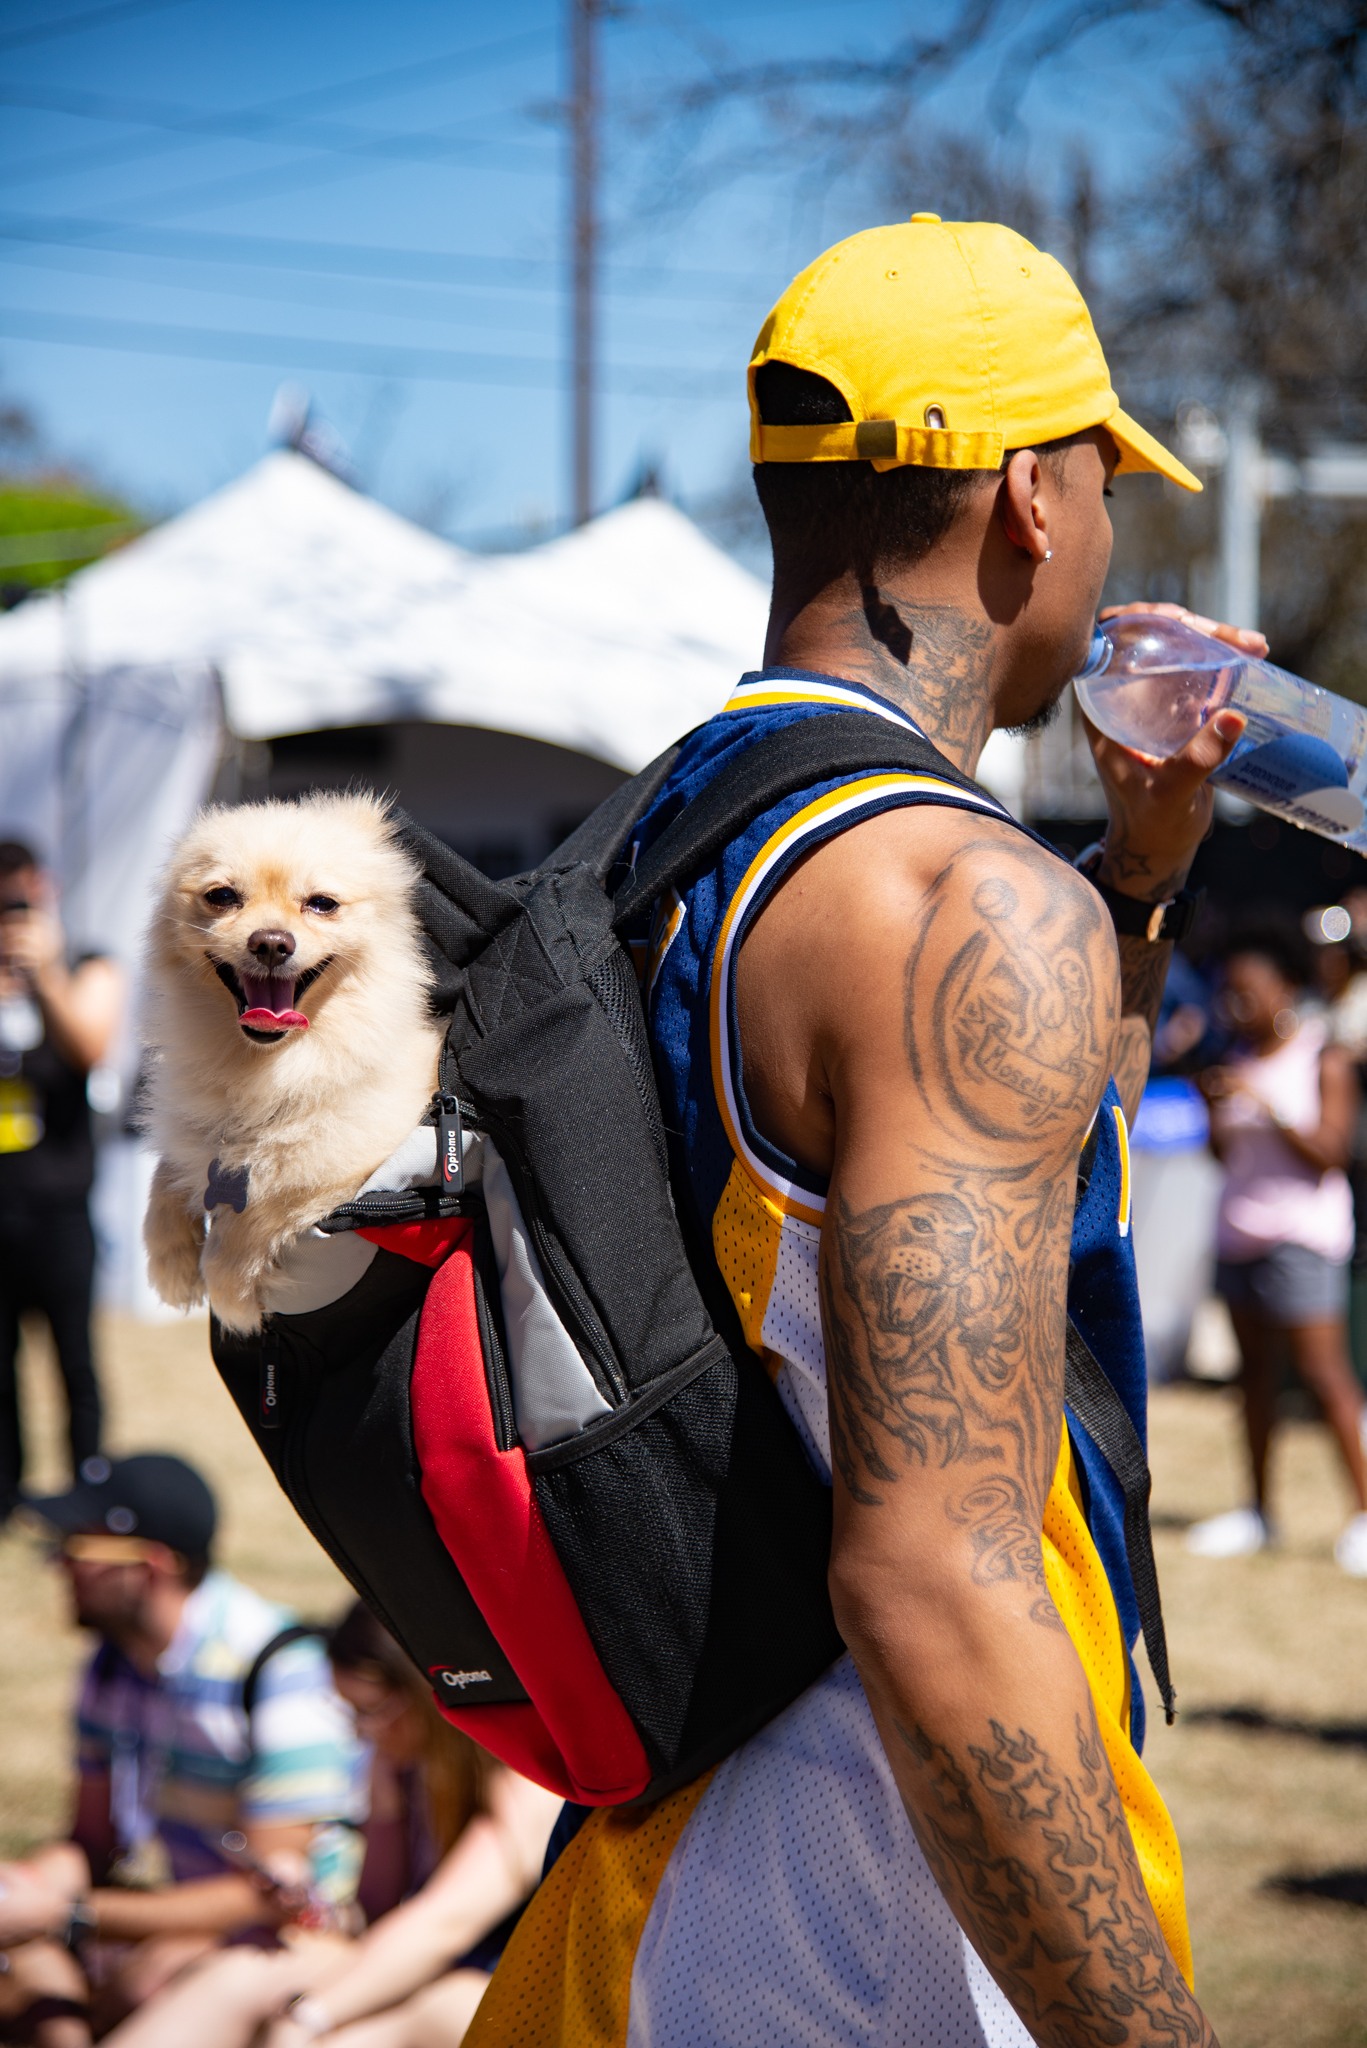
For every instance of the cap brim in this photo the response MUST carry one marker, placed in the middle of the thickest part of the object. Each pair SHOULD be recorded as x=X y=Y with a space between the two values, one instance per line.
x=1139 y=451
x=73 y=1513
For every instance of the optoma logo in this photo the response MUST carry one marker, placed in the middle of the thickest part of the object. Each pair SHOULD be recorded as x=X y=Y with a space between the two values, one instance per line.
x=453 y=1160
x=442 y=1674
x=269 y=1395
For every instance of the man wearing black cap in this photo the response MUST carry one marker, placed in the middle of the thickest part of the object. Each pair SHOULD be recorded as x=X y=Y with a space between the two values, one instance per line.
x=171 y=1757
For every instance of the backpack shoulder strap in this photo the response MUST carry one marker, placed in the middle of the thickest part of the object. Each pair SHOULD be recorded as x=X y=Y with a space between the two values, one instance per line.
x=297 y=1632
x=1102 y=1413
x=599 y=840
x=808 y=751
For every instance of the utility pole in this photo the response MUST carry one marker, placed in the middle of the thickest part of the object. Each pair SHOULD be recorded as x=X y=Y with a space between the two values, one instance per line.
x=583 y=114
x=1241 y=509
x=1250 y=477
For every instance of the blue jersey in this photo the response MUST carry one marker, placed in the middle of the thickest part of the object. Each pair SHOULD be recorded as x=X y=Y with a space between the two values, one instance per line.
x=691 y=996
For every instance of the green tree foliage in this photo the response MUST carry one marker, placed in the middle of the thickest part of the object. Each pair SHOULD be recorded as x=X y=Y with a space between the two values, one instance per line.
x=52 y=521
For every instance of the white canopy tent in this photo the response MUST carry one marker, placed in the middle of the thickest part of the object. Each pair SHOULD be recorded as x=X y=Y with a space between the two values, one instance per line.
x=319 y=608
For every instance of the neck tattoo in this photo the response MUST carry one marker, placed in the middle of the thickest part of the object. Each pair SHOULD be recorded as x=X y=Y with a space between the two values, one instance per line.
x=931 y=660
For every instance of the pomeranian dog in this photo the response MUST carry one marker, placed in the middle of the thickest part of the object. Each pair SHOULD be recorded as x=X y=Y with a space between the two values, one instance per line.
x=292 y=1044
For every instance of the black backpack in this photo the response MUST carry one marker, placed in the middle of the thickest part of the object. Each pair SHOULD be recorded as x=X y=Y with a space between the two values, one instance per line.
x=532 y=1434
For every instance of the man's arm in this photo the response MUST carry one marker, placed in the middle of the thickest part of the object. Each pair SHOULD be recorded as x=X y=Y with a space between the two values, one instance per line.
x=963 y=1076
x=212 y=1905
x=494 y=1866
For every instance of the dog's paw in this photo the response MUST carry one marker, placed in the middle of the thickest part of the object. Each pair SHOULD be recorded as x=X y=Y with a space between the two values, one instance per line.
x=239 y=1318
x=177 y=1284
x=174 y=1241
x=232 y=1293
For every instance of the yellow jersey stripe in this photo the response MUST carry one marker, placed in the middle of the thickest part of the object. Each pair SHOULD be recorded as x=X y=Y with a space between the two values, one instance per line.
x=836 y=804
x=768 y=696
x=1122 y=1138
x=1081 y=1592
x=564 y=1980
x=663 y=939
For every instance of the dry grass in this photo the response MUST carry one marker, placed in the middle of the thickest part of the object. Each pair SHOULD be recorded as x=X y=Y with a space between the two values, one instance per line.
x=1282 y=1635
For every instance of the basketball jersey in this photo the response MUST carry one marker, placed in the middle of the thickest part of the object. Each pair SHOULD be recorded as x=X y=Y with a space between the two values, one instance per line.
x=783 y=1897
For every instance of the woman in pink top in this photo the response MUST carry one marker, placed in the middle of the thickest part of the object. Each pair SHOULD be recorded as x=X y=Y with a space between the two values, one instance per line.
x=1282 y=1115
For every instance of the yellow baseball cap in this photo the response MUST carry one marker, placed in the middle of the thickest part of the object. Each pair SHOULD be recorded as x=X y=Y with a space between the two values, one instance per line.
x=951 y=342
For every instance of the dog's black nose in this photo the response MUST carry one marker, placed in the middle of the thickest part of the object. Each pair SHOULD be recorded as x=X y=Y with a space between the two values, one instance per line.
x=271 y=948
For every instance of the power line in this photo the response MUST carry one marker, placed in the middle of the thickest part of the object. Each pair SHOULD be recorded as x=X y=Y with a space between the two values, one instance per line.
x=362 y=259
x=362 y=90
x=72 y=24
x=194 y=125
x=380 y=359
x=290 y=177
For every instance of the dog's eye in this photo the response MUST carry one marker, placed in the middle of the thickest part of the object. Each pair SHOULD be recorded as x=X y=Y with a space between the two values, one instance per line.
x=324 y=905
x=223 y=899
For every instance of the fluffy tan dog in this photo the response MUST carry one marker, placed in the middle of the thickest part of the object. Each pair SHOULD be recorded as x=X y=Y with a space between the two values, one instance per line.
x=292 y=1045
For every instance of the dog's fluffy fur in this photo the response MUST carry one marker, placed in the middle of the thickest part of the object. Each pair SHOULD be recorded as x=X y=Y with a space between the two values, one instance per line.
x=309 y=1113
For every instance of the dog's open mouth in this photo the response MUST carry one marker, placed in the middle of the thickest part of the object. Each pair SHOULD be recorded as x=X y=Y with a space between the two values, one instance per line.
x=266 y=1002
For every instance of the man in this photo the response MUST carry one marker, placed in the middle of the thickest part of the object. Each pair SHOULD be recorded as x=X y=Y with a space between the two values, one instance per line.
x=885 y=1023
x=58 y=1019
x=170 y=1760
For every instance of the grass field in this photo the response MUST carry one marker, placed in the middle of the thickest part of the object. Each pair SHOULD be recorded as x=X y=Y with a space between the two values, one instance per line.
x=1266 y=1769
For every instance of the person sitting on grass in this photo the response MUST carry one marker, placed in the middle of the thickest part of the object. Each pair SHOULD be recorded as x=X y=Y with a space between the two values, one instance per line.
x=454 y=1845
x=185 y=1799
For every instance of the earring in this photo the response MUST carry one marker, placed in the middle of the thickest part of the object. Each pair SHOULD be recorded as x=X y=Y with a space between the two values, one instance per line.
x=1048 y=554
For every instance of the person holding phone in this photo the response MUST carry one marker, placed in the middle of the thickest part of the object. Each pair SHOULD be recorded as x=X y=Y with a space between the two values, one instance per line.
x=58 y=1019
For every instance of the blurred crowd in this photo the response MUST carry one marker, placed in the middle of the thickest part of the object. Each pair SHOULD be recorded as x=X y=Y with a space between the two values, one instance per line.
x=276 y=1836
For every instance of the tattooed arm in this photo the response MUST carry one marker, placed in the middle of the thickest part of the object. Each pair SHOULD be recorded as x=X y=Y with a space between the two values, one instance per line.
x=960 y=992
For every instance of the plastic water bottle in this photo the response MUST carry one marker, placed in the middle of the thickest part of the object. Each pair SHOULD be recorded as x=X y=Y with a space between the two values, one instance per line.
x=1152 y=683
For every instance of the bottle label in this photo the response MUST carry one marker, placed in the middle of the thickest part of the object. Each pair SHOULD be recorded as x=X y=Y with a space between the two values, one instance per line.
x=1299 y=777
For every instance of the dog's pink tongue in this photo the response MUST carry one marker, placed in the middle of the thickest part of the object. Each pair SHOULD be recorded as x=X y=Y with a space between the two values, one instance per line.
x=269 y=1005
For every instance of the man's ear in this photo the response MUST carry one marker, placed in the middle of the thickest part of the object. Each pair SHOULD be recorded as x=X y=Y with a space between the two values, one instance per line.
x=1020 y=505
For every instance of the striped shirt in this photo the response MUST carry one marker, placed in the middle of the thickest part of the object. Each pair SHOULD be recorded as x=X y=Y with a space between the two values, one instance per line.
x=183 y=1762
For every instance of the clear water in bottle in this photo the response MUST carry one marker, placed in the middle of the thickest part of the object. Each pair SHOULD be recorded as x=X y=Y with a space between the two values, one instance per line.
x=1152 y=683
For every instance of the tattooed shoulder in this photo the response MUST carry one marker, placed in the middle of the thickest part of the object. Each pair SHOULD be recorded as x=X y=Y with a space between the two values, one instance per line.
x=1011 y=994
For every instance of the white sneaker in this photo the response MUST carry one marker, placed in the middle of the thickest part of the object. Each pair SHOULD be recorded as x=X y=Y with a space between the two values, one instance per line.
x=1350 y=1552
x=1236 y=1534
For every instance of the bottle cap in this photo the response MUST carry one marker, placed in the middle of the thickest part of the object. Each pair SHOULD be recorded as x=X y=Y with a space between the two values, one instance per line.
x=1098 y=656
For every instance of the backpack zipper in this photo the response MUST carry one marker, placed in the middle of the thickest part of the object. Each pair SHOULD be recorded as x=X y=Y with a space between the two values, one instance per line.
x=574 y=1304
x=563 y=1284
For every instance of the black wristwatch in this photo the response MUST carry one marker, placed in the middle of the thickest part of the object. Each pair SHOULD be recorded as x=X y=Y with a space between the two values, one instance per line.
x=1159 y=923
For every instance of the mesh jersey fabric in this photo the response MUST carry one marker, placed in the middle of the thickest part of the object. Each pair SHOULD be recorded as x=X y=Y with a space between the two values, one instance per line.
x=788 y=1900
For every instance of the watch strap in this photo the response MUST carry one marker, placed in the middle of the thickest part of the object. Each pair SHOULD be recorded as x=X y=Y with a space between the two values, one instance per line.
x=1160 y=923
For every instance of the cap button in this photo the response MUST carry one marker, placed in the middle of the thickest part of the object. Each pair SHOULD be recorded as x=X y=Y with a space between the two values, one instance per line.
x=931 y=220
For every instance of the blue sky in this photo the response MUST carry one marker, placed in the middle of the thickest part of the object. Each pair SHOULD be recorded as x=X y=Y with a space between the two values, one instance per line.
x=370 y=201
